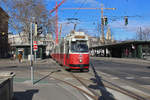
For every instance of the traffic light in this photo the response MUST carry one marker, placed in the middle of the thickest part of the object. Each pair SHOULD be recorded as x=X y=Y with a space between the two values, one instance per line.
x=126 y=20
x=35 y=31
x=3 y=33
x=39 y=30
x=105 y=21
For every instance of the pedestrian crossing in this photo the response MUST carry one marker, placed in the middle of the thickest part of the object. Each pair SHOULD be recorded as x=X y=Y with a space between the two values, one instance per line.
x=129 y=78
x=122 y=77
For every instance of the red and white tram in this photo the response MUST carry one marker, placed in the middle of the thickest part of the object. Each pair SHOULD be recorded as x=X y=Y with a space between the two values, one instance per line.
x=72 y=51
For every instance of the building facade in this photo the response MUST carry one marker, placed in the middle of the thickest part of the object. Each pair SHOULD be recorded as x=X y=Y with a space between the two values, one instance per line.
x=126 y=49
x=4 y=46
x=19 y=44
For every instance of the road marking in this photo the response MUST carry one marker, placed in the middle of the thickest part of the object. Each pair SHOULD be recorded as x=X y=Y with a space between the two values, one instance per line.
x=65 y=79
x=129 y=78
x=130 y=88
x=51 y=78
x=146 y=86
x=115 y=78
x=85 y=89
x=145 y=77
x=104 y=74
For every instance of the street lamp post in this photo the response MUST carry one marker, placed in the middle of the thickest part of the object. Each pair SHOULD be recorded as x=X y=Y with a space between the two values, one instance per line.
x=31 y=61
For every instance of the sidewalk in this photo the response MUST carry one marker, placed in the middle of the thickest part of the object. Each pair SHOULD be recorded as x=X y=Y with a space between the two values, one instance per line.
x=52 y=90
x=45 y=88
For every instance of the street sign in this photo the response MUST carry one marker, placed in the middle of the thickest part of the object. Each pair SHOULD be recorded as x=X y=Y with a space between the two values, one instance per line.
x=35 y=47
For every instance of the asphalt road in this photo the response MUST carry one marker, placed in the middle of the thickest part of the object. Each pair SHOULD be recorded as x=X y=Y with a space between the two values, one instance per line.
x=139 y=74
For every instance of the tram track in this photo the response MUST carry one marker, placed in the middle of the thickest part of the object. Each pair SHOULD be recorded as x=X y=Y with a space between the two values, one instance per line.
x=79 y=89
x=90 y=93
x=86 y=93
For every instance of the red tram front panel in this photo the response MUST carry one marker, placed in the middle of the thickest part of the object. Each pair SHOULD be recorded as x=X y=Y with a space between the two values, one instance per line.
x=77 y=61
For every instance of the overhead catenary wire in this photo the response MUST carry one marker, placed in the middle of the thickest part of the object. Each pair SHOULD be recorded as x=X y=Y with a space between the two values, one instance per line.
x=79 y=8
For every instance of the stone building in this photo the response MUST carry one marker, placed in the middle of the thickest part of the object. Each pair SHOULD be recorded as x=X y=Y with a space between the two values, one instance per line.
x=103 y=40
x=19 y=44
x=108 y=39
x=4 y=46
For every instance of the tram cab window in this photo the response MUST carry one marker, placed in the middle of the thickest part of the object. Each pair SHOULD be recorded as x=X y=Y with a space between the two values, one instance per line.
x=79 y=46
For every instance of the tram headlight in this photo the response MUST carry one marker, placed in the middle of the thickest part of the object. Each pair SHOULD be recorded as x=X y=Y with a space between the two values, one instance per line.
x=80 y=60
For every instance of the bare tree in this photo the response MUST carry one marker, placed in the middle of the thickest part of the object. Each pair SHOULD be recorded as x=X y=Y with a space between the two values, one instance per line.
x=22 y=11
x=143 y=34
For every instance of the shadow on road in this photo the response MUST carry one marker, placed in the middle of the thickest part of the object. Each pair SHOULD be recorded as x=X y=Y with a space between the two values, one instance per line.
x=148 y=67
x=105 y=95
x=45 y=76
x=27 y=95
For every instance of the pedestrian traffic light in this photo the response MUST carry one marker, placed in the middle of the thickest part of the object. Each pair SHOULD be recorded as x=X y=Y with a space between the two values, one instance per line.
x=126 y=20
x=105 y=21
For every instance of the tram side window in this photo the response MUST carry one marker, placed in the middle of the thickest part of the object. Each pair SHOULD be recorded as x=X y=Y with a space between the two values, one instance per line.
x=62 y=48
x=67 y=47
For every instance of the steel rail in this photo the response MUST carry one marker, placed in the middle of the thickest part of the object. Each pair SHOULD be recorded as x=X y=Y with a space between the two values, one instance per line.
x=81 y=90
x=94 y=97
x=110 y=85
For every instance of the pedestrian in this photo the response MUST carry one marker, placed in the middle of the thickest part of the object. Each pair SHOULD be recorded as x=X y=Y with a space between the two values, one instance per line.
x=14 y=56
x=20 y=57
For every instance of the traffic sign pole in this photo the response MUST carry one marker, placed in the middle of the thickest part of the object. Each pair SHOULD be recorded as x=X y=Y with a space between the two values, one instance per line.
x=31 y=62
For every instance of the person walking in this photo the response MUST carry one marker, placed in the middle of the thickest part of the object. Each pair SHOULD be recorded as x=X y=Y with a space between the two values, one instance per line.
x=20 y=57
x=14 y=56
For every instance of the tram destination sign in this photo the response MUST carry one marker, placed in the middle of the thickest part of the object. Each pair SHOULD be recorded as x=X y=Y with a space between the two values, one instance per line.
x=79 y=36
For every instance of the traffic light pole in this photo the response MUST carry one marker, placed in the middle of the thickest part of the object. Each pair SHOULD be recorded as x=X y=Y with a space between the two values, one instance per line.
x=31 y=61
x=35 y=37
x=102 y=37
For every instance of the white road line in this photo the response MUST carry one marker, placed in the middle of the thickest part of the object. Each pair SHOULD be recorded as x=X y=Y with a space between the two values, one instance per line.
x=115 y=78
x=145 y=77
x=104 y=74
x=51 y=78
x=68 y=79
x=129 y=78
x=130 y=88
x=89 y=98
x=146 y=86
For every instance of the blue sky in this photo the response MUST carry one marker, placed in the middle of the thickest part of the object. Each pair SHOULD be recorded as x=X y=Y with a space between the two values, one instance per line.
x=137 y=10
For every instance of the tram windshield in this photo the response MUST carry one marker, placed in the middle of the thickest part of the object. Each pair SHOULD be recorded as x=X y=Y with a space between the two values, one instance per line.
x=79 y=46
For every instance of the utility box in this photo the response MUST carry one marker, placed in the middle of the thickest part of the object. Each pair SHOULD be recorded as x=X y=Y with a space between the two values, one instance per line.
x=6 y=85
